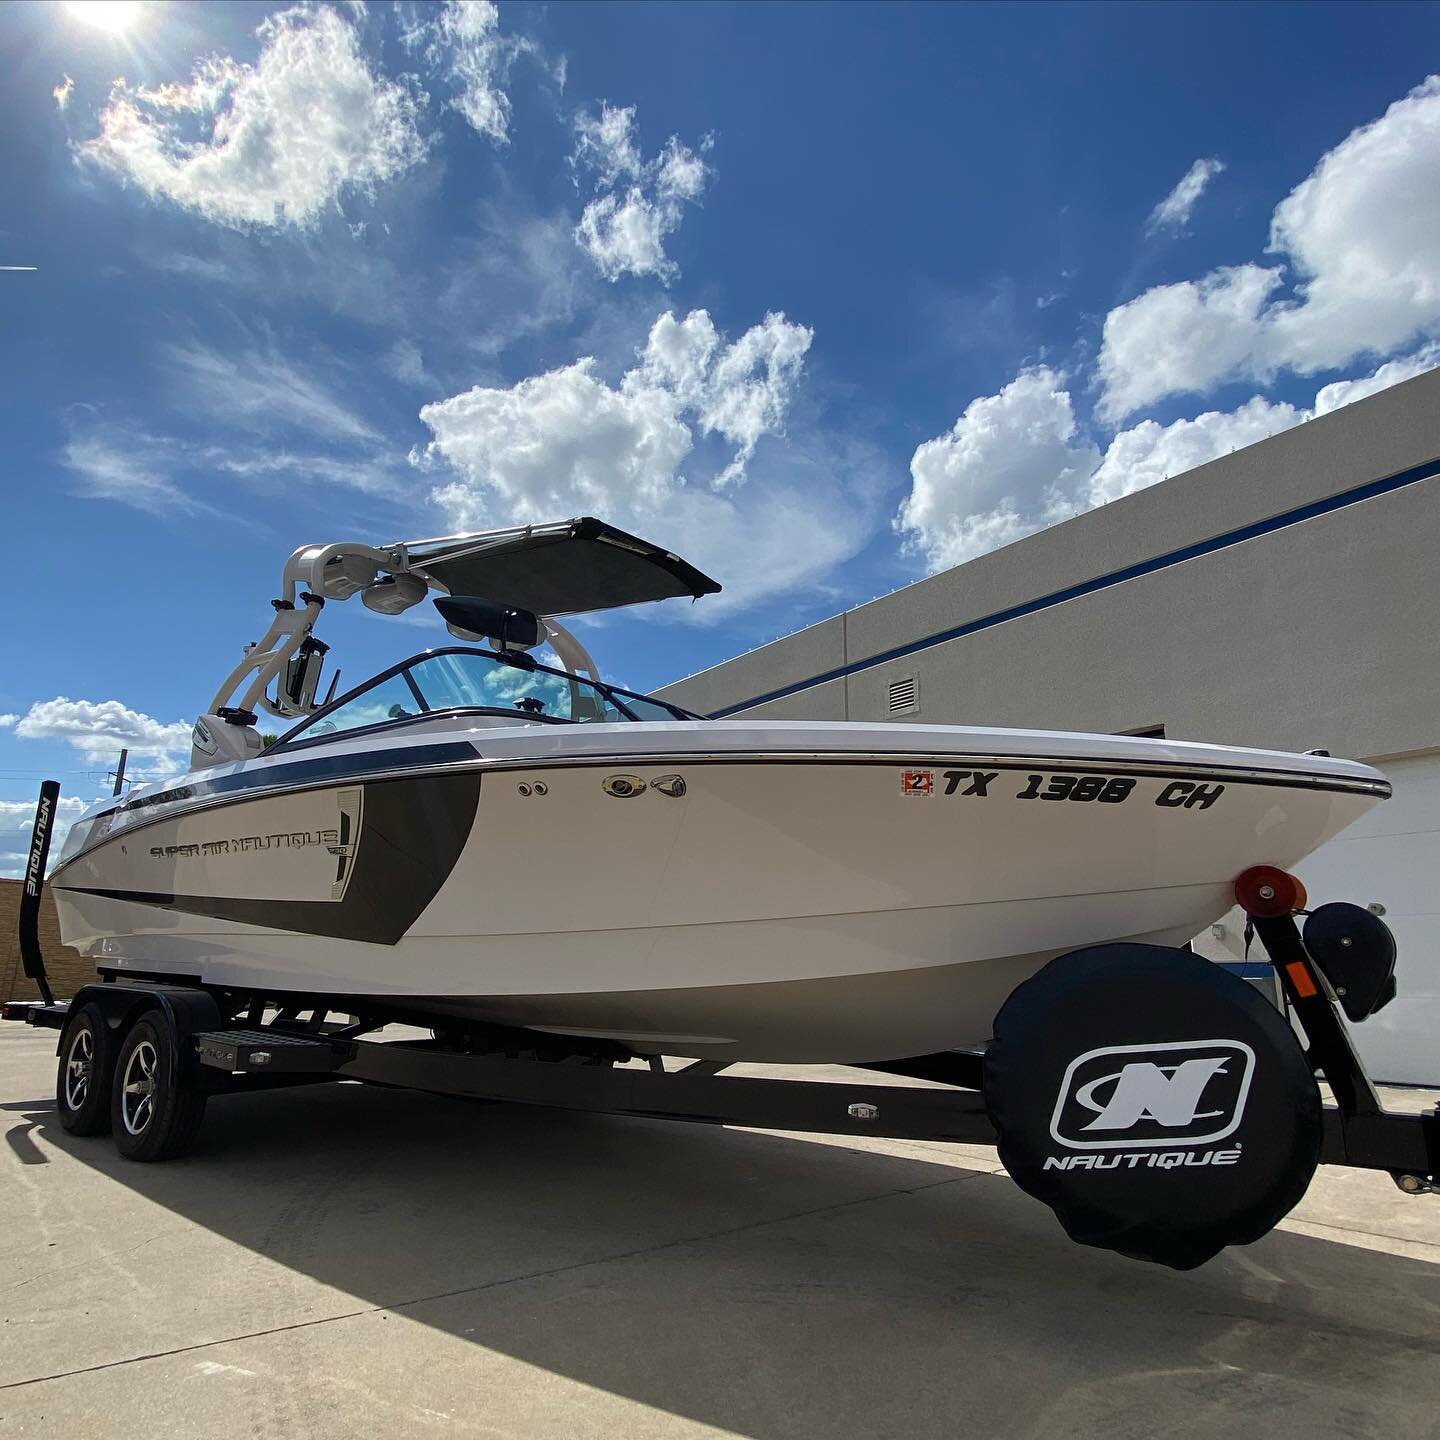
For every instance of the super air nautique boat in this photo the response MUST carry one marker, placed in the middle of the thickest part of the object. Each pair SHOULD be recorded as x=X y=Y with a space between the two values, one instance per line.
x=475 y=835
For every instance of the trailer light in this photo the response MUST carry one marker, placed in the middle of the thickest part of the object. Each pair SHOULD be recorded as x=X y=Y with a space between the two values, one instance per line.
x=260 y=1057
x=1302 y=979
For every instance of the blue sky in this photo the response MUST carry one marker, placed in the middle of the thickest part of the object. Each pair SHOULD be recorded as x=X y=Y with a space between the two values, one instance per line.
x=823 y=298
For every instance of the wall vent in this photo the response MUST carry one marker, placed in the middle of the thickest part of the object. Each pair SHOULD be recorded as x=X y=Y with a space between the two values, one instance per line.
x=902 y=696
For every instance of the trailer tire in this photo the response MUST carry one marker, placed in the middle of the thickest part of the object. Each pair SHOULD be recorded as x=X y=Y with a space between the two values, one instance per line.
x=84 y=1072
x=155 y=1110
x=1159 y=1105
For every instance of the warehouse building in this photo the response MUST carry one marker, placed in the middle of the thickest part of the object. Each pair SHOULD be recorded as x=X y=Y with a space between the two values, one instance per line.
x=1286 y=596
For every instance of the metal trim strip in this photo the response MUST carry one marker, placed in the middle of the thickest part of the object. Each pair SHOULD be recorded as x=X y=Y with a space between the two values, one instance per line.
x=1331 y=503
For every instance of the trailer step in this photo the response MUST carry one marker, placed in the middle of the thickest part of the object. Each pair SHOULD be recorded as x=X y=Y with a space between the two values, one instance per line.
x=37 y=1012
x=265 y=1051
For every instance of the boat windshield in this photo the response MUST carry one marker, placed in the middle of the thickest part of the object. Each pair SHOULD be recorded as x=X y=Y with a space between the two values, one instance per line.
x=454 y=679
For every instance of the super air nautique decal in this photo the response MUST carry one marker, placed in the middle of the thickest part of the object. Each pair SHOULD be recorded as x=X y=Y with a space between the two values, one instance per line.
x=1105 y=789
x=342 y=842
x=246 y=844
x=406 y=834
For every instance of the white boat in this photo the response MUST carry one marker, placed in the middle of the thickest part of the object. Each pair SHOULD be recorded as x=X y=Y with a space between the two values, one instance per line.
x=473 y=836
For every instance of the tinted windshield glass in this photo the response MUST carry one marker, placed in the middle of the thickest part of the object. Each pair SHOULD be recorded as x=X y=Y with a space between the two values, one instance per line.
x=448 y=682
x=644 y=708
x=474 y=680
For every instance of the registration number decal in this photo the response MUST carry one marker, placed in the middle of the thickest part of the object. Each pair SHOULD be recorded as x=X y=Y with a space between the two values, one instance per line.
x=1077 y=789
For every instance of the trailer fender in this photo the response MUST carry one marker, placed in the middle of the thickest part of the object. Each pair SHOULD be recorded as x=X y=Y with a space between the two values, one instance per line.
x=186 y=1011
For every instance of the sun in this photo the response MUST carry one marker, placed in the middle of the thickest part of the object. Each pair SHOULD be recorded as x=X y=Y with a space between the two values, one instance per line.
x=112 y=16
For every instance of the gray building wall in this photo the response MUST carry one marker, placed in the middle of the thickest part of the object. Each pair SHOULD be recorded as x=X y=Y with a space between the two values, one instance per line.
x=1323 y=633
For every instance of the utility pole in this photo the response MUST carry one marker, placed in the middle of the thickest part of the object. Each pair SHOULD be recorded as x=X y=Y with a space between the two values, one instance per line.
x=119 y=773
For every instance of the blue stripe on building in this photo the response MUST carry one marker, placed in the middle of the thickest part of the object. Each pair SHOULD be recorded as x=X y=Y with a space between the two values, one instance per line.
x=1370 y=491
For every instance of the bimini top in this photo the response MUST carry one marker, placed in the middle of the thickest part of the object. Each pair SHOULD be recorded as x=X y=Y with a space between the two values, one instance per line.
x=564 y=568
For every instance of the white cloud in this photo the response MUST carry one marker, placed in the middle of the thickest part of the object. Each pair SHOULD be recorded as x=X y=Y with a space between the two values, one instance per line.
x=740 y=392
x=260 y=390
x=1148 y=453
x=642 y=455
x=607 y=145
x=1008 y=466
x=509 y=273
x=135 y=469
x=1015 y=463
x=63 y=91
x=281 y=140
x=566 y=439
x=265 y=417
x=1346 y=392
x=20 y=815
x=1182 y=337
x=557 y=444
x=639 y=202
x=464 y=44
x=625 y=236
x=7 y=720
x=100 y=729
x=1174 y=211
x=157 y=474
x=471 y=27
x=404 y=361
x=1363 y=234
x=1360 y=240
x=17 y=819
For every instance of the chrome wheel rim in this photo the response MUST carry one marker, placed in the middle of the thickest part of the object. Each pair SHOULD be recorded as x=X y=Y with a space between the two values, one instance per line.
x=78 y=1064
x=137 y=1099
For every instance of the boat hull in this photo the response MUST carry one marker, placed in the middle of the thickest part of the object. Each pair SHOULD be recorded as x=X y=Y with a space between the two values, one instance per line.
x=800 y=907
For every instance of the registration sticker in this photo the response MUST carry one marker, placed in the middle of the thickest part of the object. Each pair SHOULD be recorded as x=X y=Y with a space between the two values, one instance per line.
x=917 y=782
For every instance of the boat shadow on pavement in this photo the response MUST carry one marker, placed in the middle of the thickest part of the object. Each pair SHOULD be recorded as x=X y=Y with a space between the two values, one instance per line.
x=773 y=1286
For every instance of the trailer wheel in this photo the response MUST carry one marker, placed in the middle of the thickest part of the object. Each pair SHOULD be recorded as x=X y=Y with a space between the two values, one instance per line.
x=1160 y=1106
x=82 y=1078
x=154 y=1110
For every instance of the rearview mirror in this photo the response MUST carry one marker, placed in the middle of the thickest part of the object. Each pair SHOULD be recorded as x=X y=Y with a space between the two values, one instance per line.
x=468 y=617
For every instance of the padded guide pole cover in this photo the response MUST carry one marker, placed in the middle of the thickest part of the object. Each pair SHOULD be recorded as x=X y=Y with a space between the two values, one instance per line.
x=31 y=958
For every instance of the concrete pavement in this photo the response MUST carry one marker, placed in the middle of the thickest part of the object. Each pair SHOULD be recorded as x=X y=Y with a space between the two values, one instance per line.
x=338 y=1261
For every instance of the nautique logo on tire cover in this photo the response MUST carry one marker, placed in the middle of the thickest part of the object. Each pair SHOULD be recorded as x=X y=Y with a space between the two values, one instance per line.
x=1153 y=1097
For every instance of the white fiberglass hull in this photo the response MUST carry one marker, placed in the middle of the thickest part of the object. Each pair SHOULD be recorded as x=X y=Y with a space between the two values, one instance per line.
x=817 y=893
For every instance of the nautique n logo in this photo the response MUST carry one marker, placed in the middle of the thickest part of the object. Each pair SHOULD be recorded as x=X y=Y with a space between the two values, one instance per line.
x=1140 y=1097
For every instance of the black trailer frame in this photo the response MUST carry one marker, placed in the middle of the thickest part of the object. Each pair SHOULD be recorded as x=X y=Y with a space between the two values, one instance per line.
x=226 y=1041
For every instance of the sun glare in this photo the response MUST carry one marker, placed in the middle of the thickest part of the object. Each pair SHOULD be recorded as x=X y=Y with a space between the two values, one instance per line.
x=112 y=16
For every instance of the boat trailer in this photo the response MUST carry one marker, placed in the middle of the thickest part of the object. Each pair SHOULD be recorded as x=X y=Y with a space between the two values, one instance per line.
x=1092 y=1090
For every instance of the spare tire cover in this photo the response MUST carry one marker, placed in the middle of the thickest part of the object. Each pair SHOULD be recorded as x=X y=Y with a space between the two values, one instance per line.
x=1158 y=1104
